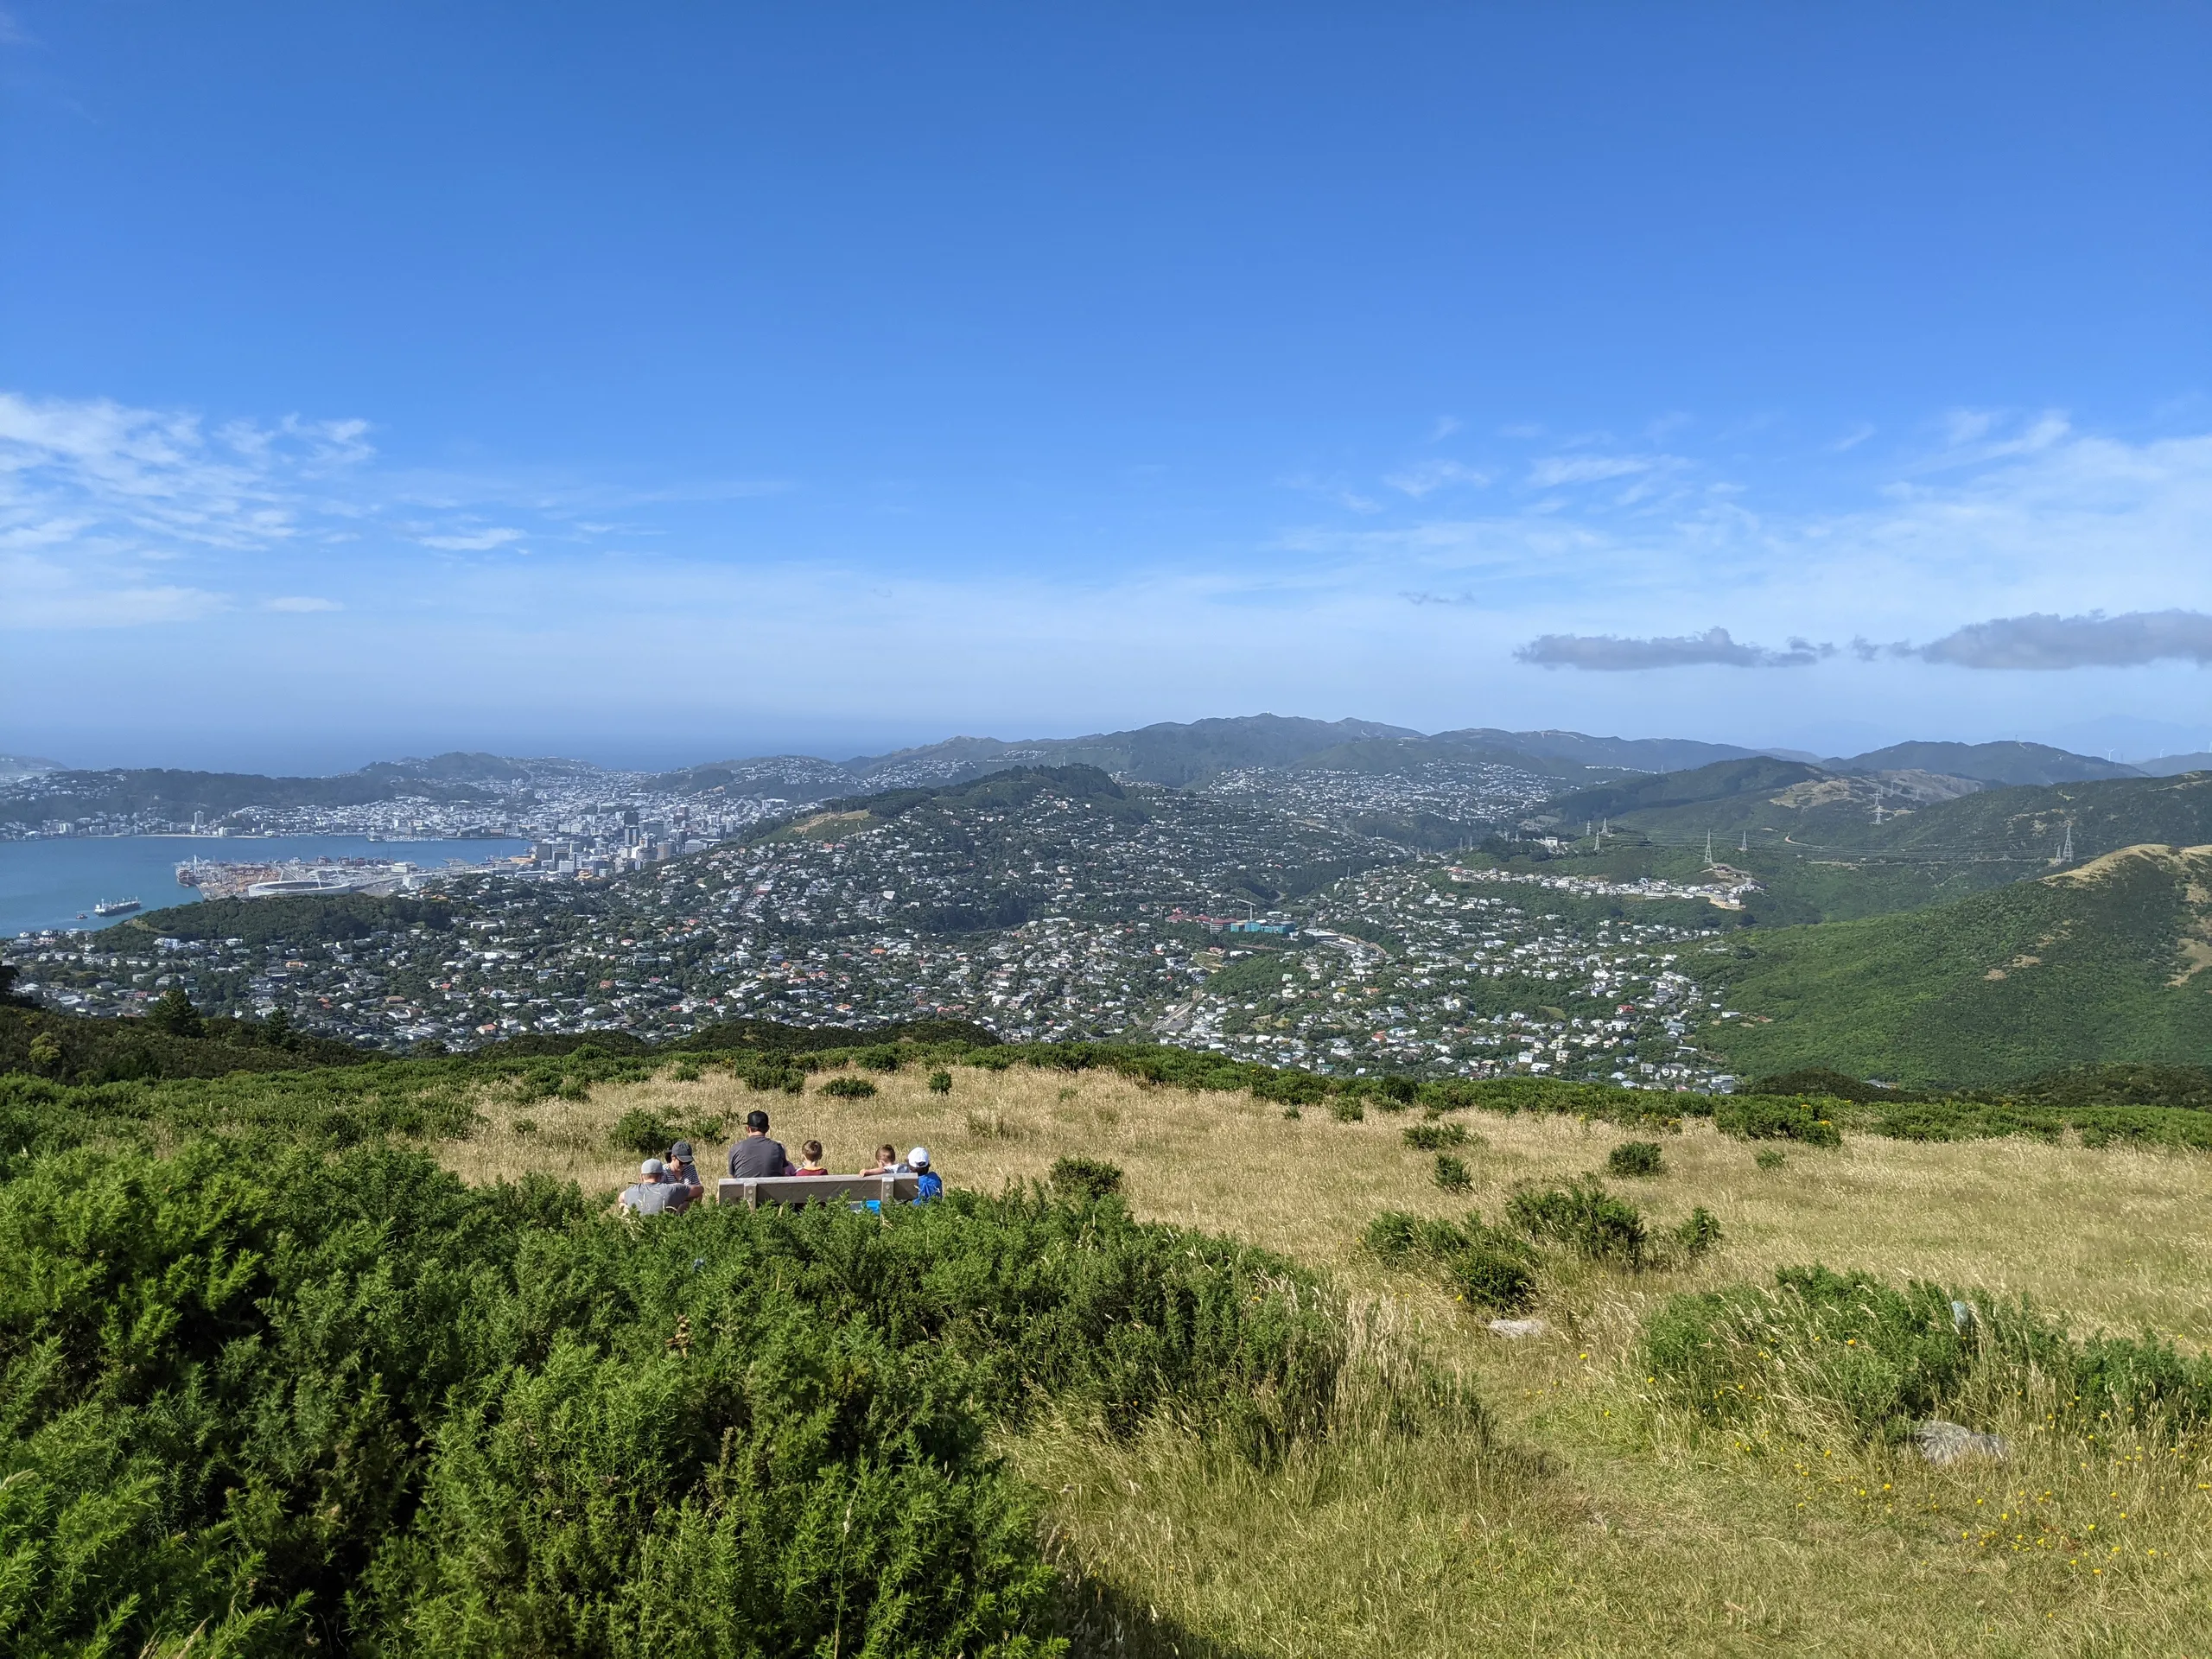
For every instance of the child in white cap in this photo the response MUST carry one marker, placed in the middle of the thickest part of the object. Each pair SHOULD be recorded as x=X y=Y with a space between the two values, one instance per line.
x=931 y=1185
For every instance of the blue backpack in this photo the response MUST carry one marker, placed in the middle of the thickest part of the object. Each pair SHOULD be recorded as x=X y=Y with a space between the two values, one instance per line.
x=929 y=1184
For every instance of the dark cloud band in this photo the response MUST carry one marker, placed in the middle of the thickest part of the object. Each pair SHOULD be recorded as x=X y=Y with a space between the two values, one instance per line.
x=2096 y=640
x=1609 y=653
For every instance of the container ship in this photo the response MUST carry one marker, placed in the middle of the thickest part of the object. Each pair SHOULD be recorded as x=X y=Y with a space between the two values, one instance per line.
x=115 y=906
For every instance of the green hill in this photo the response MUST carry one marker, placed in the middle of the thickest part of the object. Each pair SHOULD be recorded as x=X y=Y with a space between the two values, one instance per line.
x=2102 y=963
x=1783 y=803
x=1728 y=787
x=1990 y=763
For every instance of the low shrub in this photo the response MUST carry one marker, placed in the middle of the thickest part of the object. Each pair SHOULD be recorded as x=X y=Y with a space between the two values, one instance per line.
x=1763 y=1117
x=1770 y=1158
x=1483 y=1267
x=364 y=1408
x=1699 y=1232
x=643 y=1132
x=1390 y=1234
x=1347 y=1108
x=1585 y=1217
x=884 y=1057
x=1450 y=1173
x=1435 y=1137
x=1635 y=1158
x=848 y=1089
x=1490 y=1279
x=940 y=1082
x=1084 y=1178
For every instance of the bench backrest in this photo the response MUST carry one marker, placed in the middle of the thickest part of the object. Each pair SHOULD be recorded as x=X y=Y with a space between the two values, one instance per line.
x=754 y=1191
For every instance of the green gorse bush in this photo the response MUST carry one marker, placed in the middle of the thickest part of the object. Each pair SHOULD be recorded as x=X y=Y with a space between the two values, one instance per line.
x=346 y=1402
x=1585 y=1217
x=1635 y=1158
x=1435 y=1137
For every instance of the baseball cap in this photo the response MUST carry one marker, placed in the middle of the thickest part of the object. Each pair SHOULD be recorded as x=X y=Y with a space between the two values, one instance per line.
x=652 y=1166
x=919 y=1157
x=681 y=1149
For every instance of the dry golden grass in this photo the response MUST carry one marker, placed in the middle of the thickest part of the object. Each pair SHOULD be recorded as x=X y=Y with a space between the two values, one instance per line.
x=1591 y=1520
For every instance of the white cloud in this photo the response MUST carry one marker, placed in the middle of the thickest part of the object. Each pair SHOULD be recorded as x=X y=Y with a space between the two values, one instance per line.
x=1424 y=477
x=301 y=603
x=1554 y=470
x=472 y=541
x=99 y=491
x=39 y=593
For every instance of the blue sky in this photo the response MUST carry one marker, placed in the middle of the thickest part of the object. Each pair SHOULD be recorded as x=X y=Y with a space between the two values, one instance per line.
x=665 y=382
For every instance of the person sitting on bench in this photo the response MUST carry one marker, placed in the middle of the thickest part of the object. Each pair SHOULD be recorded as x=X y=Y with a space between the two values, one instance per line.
x=887 y=1163
x=930 y=1185
x=811 y=1154
x=683 y=1171
x=756 y=1155
x=655 y=1194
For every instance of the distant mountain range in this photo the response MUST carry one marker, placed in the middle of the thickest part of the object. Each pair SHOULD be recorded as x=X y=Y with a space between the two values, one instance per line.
x=1657 y=774
x=1183 y=754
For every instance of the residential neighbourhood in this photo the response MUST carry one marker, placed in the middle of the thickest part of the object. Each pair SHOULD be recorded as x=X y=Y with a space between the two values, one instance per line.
x=1250 y=916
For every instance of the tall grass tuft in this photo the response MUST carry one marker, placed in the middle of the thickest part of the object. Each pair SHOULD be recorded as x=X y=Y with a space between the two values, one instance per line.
x=1851 y=1350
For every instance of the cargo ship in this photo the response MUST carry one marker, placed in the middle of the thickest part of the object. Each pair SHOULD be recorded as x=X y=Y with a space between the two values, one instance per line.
x=115 y=906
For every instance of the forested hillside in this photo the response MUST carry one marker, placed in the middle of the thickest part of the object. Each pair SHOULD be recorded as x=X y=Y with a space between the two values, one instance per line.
x=2102 y=963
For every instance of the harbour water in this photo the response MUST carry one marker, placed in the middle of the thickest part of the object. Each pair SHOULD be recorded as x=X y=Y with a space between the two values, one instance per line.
x=45 y=883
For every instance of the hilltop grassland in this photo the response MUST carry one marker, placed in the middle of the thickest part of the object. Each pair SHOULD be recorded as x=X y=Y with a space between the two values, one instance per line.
x=1595 y=1505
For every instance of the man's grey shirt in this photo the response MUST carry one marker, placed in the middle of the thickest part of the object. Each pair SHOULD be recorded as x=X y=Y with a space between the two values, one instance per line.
x=757 y=1156
x=654 y=1197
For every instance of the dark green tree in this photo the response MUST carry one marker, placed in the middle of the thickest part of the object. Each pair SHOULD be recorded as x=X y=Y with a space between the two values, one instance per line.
x=174 y=1013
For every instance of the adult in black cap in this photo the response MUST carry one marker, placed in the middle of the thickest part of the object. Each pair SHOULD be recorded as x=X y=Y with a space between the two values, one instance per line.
x=756 y=1155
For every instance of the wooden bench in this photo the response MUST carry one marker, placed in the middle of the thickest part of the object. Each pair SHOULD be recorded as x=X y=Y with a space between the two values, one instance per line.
x=851 y=1190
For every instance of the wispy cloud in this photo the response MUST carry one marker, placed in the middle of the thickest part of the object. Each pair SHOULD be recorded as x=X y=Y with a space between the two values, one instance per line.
x=300 y=604
x=472 y=541
x=2048 y=643
x=1610 y=653
x=1425 y=477
x=1552 y=471
x=98 y=497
